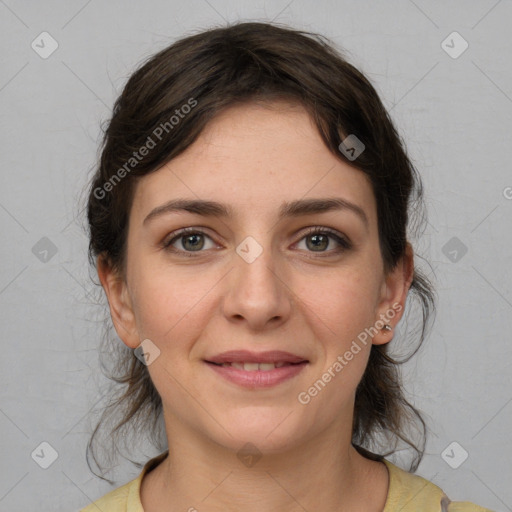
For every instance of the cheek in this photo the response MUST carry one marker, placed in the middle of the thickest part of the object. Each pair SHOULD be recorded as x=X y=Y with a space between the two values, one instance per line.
x=343 y=302
x=168 y=304
x=339 y=308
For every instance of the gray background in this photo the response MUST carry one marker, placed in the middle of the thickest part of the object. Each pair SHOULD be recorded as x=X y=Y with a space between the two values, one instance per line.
x=455 y=115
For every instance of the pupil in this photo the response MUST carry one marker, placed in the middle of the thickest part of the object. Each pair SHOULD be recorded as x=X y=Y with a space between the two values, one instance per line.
x=194 y=245
x=317 y=243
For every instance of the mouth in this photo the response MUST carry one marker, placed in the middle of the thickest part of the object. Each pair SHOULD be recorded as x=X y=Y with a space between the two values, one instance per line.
x=255 y=366
x=256 y=371
x=248 y=360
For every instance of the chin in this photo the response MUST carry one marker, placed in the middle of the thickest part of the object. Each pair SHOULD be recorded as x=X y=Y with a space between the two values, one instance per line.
x=267 y=437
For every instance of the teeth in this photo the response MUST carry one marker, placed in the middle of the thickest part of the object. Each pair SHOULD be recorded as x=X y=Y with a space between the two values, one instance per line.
x=250 y=367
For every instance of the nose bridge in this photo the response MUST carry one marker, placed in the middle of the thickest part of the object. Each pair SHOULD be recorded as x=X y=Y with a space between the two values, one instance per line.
x=255 y=263
x=256 y=290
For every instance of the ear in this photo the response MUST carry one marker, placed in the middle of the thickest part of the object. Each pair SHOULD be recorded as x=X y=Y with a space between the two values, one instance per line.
x=119 y=302
x=393 y=296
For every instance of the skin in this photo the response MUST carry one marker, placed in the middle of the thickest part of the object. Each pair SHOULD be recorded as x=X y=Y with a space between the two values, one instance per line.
x=294 y=297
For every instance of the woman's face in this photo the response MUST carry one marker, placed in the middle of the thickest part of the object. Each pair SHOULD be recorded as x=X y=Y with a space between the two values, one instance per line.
x=259 y=279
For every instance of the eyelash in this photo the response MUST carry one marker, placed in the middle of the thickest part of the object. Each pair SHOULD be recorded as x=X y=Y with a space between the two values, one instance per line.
x=316 y=230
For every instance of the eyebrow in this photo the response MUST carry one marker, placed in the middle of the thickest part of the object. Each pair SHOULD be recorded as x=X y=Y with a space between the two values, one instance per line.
x=288 y=209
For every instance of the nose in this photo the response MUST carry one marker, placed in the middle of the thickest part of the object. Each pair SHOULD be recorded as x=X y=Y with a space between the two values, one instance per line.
x=257 y=292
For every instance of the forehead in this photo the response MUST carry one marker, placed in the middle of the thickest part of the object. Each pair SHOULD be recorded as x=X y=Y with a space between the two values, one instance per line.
x=256 y=156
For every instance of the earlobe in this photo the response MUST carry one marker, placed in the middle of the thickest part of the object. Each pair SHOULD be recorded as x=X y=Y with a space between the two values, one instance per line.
x=119 y=302
x=394 y=294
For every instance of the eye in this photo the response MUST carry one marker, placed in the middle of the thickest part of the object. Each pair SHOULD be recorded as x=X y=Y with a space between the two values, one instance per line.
x=321 y=237
x=188 y=240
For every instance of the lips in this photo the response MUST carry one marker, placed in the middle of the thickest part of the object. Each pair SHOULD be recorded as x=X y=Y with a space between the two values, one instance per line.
x=244 y=357
x=257 y=371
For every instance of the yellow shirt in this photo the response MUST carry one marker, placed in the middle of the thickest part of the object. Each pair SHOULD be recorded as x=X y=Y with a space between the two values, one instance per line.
x=406 y=493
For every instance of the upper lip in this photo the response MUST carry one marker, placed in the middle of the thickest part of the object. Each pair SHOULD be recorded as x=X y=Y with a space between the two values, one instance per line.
x=245 y=356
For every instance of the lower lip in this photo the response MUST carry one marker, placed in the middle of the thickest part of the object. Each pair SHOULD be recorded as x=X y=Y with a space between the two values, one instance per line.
x=258 y=378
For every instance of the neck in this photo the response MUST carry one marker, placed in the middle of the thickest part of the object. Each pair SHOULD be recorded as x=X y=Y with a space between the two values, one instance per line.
x=199 y=474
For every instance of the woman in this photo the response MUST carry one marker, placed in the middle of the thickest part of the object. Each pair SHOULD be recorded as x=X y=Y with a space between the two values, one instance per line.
x=248 y=220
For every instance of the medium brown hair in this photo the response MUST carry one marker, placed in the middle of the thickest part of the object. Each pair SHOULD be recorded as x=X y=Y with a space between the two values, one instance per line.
x=213 y=70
